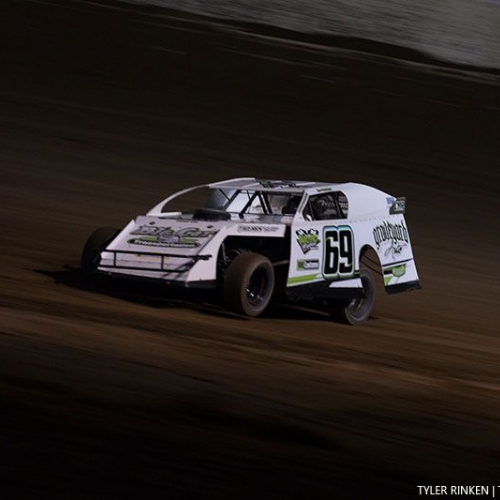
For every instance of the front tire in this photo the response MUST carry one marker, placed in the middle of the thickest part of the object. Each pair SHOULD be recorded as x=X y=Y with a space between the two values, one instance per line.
x=96 y=243
x=356 y=311
x=249 y=284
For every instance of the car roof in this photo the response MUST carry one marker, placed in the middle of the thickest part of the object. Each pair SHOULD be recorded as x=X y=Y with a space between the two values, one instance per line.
x=276 y=185
x=363 y=200
x=290 y=186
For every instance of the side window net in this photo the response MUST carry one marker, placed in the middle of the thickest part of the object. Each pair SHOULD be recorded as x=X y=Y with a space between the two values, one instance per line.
x=328 y=206
x=343 y=204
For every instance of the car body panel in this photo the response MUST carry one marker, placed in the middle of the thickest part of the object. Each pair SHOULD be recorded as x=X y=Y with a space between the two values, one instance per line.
x=324 y=254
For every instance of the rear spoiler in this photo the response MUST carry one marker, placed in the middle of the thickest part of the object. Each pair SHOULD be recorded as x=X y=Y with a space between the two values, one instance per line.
x=398 y=206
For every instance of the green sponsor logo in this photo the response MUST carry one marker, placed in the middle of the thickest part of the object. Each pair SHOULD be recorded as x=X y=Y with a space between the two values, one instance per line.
x=308 y=239
x=307 y=264
x=399 y=271
x=394 y=272
x=159 y=236
x=153 y=241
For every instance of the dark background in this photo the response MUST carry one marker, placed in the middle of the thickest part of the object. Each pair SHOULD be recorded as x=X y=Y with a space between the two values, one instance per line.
x=122 y=392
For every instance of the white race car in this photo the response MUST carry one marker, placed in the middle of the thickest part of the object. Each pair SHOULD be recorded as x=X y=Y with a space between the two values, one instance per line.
x=254 y=238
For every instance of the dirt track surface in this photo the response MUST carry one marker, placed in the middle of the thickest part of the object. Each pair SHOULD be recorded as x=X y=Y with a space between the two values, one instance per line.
x=124 y=393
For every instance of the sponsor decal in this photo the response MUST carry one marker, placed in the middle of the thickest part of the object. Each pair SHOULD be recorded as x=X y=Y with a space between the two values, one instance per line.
x=392 y=236
x=258 y=229
x=308 y=239
x=187 y=237
x=394 y=272
x=399 y=271
x=307 y=264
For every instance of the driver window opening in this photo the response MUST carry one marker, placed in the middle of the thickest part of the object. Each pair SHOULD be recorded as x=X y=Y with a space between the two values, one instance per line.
x=263 y=203
x=327 y=206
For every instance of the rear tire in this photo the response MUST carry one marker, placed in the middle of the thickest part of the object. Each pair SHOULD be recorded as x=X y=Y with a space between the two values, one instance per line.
x=355 y=311
x=249 y=284
x=96 y=243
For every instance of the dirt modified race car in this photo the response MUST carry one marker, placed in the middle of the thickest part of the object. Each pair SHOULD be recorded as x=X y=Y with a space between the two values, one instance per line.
x=253 y=238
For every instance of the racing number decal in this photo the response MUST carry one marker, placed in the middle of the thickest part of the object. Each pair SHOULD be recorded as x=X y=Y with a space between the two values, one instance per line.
x=338 y=255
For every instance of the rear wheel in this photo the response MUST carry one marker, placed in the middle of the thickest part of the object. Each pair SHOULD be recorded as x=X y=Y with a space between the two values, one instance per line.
x=355 y=311
x=249 y=284
x=96 y=243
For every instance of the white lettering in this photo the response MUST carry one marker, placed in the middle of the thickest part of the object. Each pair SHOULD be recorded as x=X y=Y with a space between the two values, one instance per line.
x=258 y=229
x=432 y=490
x=471 y=490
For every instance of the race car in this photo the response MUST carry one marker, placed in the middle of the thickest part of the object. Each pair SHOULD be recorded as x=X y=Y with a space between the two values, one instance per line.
x=252 y=239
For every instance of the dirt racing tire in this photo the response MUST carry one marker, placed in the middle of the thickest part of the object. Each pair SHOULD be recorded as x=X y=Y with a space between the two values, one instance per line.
x=97 y=241
x=248 y=284
x=355 y=311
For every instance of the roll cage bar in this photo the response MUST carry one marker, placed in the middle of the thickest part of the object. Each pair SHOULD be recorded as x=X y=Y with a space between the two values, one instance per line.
x=263 y=197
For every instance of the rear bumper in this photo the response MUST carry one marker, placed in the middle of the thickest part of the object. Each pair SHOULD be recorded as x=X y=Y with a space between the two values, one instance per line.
x=403 y=287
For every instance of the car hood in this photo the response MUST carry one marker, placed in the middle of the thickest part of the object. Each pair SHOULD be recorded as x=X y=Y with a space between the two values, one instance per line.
x=159 y=235
x=149 y=234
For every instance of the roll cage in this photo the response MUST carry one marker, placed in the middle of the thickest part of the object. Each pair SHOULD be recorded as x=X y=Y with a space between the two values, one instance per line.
x=238 y=202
